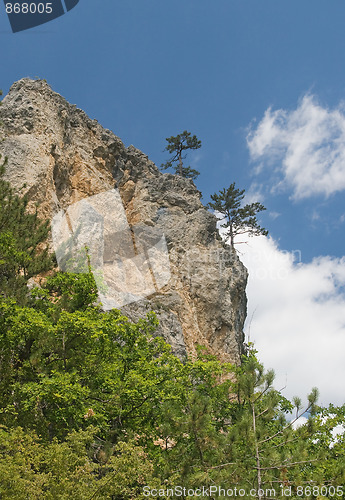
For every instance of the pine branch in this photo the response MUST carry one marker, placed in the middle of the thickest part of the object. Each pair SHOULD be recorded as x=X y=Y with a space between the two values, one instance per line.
x=286 y=427
x=292 y=464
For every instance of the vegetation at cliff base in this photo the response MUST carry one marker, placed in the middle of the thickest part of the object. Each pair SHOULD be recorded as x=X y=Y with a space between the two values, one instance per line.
x=94 y=406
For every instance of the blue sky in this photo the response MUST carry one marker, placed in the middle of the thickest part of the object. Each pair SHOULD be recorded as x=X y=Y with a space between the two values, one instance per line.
x=262 y=84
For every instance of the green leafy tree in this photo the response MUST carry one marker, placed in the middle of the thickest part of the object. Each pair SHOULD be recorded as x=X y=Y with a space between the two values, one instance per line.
x=76 y=468
x=237 y=219
x=177 y=146
x=64 y=363
x=87 y=397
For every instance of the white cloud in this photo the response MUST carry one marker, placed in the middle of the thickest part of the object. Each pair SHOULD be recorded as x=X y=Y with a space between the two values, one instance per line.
x=254 y=194
x=304 y=148
x=337 y=432
x=274 y=215
x=195 y=161
x=296 y=317
x=301 y=421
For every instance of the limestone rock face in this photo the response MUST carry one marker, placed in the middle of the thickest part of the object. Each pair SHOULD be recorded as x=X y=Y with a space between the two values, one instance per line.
x=64 y=157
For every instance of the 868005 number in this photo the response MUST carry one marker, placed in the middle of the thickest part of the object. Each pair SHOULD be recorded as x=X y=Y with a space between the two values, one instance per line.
x=29 y=8
x=316 y=491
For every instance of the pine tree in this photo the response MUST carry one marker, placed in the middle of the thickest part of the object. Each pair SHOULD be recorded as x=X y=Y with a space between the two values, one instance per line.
x=176 y=146
x=265 y=445
x=236 y=219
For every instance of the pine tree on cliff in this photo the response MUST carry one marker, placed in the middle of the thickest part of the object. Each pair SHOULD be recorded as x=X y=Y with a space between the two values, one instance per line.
x=236 y=219
x=176 y=146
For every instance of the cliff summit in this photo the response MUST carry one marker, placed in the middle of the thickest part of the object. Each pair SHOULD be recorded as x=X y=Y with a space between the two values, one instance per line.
x=65 y=158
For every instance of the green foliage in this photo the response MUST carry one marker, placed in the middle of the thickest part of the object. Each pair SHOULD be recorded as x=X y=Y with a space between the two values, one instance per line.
x=63 y=366
x=75 y=468
x=176 y=146
x=73 y=291
x=94 y=406
x=329 y=434
x=263 y=439
x=236 y=219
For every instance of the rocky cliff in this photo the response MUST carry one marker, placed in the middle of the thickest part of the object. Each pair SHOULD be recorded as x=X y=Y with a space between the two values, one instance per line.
x=63 y=157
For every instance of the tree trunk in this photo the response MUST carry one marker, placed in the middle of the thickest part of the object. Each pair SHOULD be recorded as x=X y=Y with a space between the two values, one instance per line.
x=257 y=456
x=180 y=163
x=231 y=236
